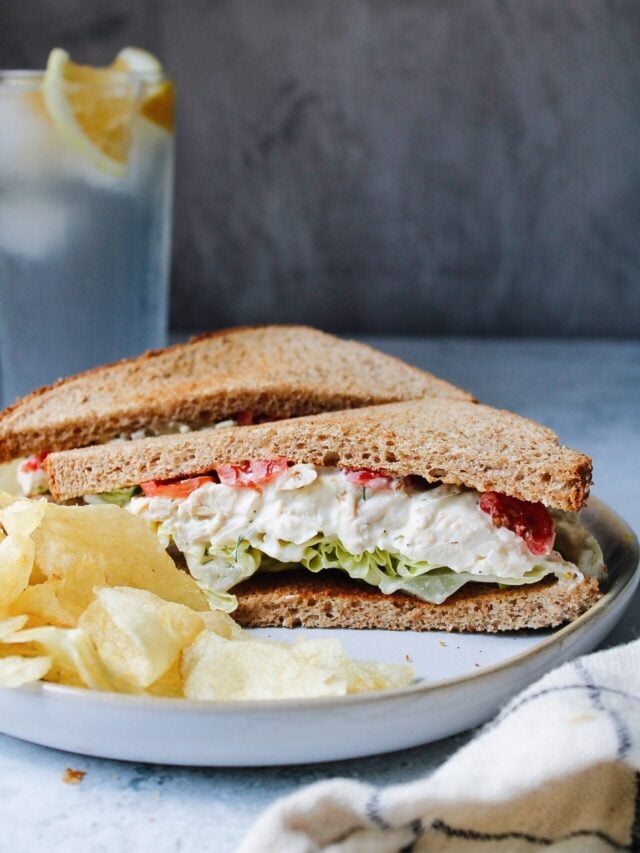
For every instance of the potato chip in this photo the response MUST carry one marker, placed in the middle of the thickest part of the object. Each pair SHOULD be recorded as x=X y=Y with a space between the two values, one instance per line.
x=216 y=668
x=16 y=563
x=22 y=517
x=16 y=671
x=71 y=650
x=23 y=650
x=138 y=635
x=60 y=601
x=221 y=623
x=115 y=548
x=62 y=675
x=361 y=676
x=367 y=676
x=170 y=684
x=325 y=653
x=11 y=625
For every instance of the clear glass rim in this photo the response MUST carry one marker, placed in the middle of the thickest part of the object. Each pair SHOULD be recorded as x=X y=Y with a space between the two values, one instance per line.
x=23 y=79
x=32 y=79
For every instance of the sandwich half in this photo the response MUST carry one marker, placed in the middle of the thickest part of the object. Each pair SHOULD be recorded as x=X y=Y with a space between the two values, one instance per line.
x=268 y=372
x=229 y=378
x=432 y=514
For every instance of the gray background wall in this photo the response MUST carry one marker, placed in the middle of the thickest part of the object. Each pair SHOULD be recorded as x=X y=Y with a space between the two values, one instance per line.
x=420 y=166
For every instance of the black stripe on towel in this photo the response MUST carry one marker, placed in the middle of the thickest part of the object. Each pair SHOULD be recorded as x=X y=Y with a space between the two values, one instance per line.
x=623 y=735
x=538 y=840
x=547 y=691
x=372 y=811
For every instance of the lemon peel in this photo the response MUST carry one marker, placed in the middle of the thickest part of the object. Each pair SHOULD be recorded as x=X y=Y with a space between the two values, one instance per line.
x=94 y=108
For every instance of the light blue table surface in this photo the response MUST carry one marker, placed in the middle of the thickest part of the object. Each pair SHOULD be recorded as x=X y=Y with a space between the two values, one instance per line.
x=589 y=392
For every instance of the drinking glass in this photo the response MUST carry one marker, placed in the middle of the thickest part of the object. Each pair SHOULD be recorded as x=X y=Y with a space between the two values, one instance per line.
x=84 y=249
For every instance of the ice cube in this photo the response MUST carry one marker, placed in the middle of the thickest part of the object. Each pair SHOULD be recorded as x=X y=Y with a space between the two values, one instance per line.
x=32 y=227
x=25 y=150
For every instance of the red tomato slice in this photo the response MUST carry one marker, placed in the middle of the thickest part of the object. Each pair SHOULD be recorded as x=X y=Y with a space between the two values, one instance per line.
x=368 y=479
x=174 y=489
x=244 y=418
x=34 y=462
x=252 y=473
x=531 y=521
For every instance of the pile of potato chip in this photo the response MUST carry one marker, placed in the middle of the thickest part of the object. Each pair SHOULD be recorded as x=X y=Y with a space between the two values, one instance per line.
x=89 y=598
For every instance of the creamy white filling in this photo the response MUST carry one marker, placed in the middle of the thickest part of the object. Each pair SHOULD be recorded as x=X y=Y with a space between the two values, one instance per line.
x=32 y=480
x=441 y=526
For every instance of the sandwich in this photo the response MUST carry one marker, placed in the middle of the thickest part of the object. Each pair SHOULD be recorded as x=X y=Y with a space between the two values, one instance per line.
x=230 y=378
x=429 y=514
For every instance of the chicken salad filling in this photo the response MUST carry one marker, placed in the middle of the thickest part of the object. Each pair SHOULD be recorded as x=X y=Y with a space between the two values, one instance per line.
x=398 y=534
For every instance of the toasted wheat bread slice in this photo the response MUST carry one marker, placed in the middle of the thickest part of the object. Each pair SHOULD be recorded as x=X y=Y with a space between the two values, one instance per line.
x=271 y=371
x=450 y=441
x=330 y=599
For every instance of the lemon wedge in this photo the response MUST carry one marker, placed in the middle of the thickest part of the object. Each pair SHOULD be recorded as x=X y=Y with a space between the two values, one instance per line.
x=159 y=106
x=94 y=108
x=159 y=102
x=136 y=60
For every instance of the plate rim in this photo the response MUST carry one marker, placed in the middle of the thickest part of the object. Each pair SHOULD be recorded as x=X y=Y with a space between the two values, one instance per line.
x=628 y=577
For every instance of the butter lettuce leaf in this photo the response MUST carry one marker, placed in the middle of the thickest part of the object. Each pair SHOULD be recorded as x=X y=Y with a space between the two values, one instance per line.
x=119 y=497
x=217 y=571
x=395 y=573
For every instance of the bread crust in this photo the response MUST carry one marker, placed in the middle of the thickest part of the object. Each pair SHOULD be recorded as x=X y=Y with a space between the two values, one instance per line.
x=273 y=371
x=448 y=441
x=330 y=599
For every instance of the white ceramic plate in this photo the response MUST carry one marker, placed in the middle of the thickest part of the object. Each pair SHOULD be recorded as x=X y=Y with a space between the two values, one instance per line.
x=463 y=680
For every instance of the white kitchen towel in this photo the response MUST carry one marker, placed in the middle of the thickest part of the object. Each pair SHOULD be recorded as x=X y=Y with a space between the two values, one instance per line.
x=556 y=770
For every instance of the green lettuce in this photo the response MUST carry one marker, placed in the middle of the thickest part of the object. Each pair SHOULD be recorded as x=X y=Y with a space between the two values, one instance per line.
x=119 y=497
x=218 y=570
x=393 y=572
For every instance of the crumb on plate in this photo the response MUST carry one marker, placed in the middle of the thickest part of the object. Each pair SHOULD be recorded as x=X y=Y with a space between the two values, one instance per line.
x=73 y=777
